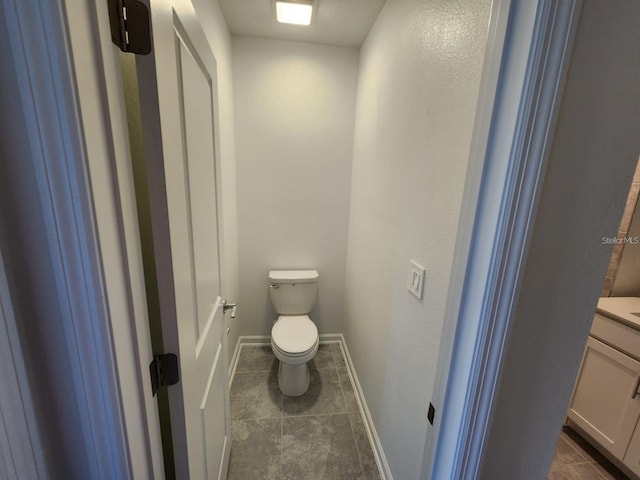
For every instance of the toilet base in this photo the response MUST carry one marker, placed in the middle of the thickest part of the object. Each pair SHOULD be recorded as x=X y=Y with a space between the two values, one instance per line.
x=293 y=380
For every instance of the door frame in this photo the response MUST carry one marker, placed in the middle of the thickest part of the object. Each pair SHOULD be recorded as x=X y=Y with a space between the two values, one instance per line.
x=487 y=284
x=21 y=442
x=80 y=89
x=528 y=51
x=73 y=106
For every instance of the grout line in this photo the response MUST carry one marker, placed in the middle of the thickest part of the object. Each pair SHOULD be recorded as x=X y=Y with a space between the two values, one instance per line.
x=253 y=418
x=382 y=465
x=574 y=463
x=344 y=398
x=316 y=415
x=598 y=471
x=336 y=368
x=355 y=440
x=604 y=472
x=589 y=460
x=256 y=371
x=583 y=453
x=564 y=465
x=571 y=443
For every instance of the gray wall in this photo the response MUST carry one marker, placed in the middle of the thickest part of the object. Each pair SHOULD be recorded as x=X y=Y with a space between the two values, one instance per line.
x=294 y=110
x=417 y=93
x=592 y=159
x=23 y=239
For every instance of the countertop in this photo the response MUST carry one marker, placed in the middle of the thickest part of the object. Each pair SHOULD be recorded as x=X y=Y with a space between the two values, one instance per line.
x=621 y=309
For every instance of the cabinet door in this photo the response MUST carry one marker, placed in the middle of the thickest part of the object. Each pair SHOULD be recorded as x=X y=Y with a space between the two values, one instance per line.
x=603 y=404
x=632 y=458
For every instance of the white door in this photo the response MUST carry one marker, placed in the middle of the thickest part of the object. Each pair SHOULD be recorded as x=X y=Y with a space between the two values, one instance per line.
x=178 y=96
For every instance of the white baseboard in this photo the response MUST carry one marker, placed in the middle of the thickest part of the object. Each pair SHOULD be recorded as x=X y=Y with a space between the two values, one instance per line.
x=331 y=338
x=253 y=340
x=261 y=340
x=374 y=439
x=234 y=361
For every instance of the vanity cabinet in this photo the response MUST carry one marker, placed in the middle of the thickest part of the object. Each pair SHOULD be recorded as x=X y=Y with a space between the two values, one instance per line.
x=632 y=458
x=606 y=397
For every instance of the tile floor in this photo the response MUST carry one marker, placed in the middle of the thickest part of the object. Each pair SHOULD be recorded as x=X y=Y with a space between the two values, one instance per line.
x=319 y=435
x=575 y=459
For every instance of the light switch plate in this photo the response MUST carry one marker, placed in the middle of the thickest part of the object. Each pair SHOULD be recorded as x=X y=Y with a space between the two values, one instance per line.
x=415 y=280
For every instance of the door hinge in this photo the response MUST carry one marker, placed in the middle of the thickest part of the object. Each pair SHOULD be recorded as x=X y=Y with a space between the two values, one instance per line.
x=130 y=26
x=164 y=371
x=432 y=413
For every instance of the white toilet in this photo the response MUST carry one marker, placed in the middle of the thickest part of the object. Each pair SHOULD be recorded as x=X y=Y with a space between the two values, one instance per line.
x=294 y=337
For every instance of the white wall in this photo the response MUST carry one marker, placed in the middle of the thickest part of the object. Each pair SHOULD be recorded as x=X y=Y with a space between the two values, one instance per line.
x=591 y=164
x=294 y=109
x=215 y=28
x=417 y=92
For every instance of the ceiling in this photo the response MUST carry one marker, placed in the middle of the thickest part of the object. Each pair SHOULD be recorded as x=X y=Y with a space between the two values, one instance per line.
x=336 y=22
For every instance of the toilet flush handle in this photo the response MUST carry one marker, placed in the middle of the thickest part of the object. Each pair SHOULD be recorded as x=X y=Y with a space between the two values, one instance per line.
x=274 y=285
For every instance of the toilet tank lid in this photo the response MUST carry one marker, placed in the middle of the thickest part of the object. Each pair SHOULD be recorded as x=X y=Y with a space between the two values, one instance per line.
x=293 y=276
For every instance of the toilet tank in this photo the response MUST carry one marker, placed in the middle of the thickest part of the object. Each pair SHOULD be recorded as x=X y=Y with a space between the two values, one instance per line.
x=293 y=292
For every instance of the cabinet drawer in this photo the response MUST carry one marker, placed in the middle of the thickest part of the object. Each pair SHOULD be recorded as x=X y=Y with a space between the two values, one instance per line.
x=616 y=334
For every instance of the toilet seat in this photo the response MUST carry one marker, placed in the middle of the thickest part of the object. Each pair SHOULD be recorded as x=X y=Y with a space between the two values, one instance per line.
x=294 y=359
x=294 y=335
x=291 y=360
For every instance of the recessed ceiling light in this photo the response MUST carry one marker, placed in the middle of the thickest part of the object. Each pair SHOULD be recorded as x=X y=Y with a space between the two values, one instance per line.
x=295 y=13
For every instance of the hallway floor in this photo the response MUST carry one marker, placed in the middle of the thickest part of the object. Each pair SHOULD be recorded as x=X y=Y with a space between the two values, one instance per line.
x=317 y=436
x=575 y=459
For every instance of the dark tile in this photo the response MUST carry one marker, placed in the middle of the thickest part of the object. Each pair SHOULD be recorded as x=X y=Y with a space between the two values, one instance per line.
x=323 y=397
x=566 y=455
x=255 y=395
x=581 y=471
x=323 y=358
x=256 y=359
x=584 y=448
x=348 y=391
x=338 y=356
x=367 y=459
x=255 y=450
x=589 y=455
x=609 y=471
x=319 y=448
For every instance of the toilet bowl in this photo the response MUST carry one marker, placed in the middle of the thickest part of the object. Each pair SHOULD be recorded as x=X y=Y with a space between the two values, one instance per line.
x=294 y=341
x=294 y=336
